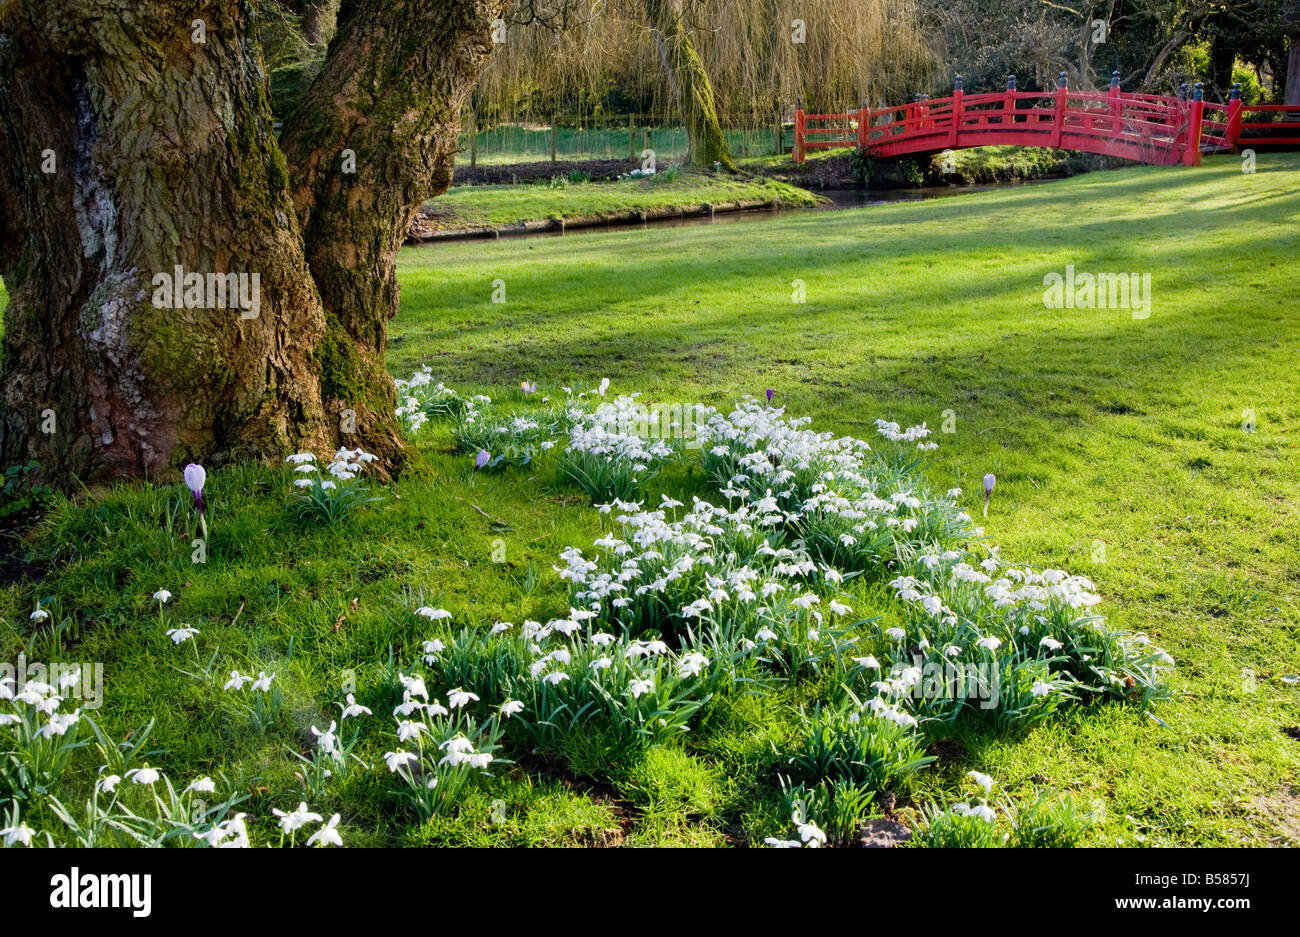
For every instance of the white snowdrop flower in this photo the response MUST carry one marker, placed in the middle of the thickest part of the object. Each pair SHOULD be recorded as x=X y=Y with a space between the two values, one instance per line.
x=952 y=650
x=984 y=812
x=180 y=635
x=327 y=835
x=480 y=760
x=869 y=662
x=59 y=724
x=601 y=663
x=68 y=680
x=839 y=608
x=354 y=708
x=203 y=785
x=396 y=760
x=692 y=664
x=145 y=775
x=896 y=634
x=304 y=483
x=812 y=835
x=263 y=683
x=162 y=596
x=765 y=634
x=601 y=639
x=108 y=784
x=327 y=740
x=297 y=818
x=776 y=843
x=458 y=698
x=22 y=833
x=298 y=458
x=1024 y=630
x=556 y=677
x=414 y=685
x=433 y=614
x=41 y=614
x=604 y=386
x=1051 y=644
x=991 y=643
x=511 y=707
x=1040 y=688
x=410 y=730
x=983 y=780
x=932 y=604
x=407 y=706
x=500 y=627
x=638 y=688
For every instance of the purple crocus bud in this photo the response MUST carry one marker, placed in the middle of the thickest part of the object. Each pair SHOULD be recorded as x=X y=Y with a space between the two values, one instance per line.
x=769 y=395
x=528 y=387
x=989 y=481
x=195 y=476
x=481 y=459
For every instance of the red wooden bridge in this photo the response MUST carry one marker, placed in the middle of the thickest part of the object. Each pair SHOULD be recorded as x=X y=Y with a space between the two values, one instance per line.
x=1146 y=128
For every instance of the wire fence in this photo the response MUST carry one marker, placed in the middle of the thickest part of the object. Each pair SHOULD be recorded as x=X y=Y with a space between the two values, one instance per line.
x=527 y=143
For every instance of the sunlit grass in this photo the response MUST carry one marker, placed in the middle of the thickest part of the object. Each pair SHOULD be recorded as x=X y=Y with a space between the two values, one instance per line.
x=1118 y=445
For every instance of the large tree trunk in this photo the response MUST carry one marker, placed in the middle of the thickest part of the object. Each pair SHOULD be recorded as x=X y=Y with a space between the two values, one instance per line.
x=164 y=156
x=1291 y=24
x=689 y=83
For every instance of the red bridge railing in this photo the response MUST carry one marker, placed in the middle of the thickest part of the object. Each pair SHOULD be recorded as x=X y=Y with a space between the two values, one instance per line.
x=1145 y=128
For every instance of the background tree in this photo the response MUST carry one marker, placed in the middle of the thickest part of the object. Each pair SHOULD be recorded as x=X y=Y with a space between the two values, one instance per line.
x=130 y=145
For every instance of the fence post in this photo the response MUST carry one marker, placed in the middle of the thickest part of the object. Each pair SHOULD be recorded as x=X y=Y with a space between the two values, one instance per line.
x=956 y=111
x=1009 y=101
x=798 y=135
x=473 y=140
x=1192 y=154
x=864 y=117
x=1234 y=116
x=1058 y=118
x=1116 y=106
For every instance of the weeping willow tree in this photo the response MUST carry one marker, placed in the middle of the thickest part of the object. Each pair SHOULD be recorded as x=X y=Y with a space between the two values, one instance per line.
x=745 y=62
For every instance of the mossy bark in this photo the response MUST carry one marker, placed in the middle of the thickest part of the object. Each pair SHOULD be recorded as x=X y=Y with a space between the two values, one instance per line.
x=689 y=83
x=128 y=149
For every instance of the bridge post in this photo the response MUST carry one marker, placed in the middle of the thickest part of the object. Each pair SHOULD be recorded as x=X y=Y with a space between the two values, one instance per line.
x=1058 y=119
x=956 y=111
x=1234 y=116
x=864 y=118
x=1116 y=105
x=798 y=135
x=1009 y=101
x=1192 y=153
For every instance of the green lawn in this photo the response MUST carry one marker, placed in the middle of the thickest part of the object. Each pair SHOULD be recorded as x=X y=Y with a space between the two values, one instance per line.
x=501 y=205
x=1100 y=428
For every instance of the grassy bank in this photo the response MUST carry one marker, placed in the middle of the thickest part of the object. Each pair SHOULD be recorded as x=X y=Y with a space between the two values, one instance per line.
x=493 y=206
x=1119 y=445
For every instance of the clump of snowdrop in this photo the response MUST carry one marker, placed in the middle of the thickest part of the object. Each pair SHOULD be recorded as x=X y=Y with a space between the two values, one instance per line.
x=331 y=495
x=440 y=748
x=419 y=398
x=607 y=456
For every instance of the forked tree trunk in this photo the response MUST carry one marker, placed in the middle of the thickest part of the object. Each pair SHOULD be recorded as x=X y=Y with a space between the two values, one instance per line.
x=689 y=84
x=129 y=148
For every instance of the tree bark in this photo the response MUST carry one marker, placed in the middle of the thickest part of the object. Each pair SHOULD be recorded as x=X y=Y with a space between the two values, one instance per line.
x=164 y=156
x=689 y=84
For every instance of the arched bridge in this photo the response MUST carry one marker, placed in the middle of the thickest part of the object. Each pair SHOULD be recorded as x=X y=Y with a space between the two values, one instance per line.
x=1146 y=128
